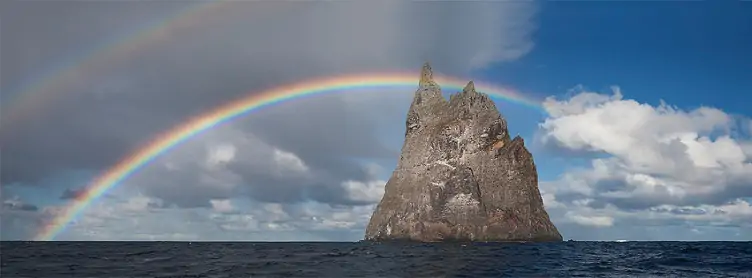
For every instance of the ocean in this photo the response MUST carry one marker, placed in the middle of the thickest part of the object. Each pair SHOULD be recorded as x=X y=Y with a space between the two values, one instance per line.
x=366 y=259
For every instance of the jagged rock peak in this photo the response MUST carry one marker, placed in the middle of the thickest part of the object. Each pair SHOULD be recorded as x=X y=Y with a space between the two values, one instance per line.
x=471 y=104
x=426 y=76
x=469 y=88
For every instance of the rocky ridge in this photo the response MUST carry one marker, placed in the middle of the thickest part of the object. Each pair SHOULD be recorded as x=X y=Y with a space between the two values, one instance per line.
x=460 y=175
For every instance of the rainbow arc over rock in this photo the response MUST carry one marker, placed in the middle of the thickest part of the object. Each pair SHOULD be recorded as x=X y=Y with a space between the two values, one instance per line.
x=254 y=101
x=50 y=85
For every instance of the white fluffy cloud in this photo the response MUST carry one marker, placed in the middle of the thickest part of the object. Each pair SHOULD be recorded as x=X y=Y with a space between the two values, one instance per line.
x=287 y=163
x=135 y=218
x=222 y=205
x=647 y=162
x=596 y=221
x=368 y=191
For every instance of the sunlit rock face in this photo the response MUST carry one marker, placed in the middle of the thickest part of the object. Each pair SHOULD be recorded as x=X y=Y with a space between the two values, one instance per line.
x=460 y=176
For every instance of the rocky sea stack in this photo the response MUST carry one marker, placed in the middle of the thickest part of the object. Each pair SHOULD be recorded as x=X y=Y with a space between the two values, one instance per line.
x=460 y=177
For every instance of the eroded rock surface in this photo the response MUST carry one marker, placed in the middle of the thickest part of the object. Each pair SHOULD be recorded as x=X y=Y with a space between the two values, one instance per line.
x=460 y=175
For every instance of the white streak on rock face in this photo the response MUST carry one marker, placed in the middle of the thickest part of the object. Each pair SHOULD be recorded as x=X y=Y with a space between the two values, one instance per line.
x=461 y=201
x=439 y=184
x=445 y=163
x=464 y=157
x=388 y=229
x=465 y=135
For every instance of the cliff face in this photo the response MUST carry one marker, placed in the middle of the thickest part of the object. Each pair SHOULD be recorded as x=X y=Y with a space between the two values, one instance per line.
x=460 y=176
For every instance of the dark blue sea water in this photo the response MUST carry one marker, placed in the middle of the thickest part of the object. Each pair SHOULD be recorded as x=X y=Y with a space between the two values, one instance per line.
x=565 y=259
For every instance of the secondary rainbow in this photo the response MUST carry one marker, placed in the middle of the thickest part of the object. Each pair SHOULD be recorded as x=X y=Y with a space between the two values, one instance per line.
x=48 y=85
x=252 y=102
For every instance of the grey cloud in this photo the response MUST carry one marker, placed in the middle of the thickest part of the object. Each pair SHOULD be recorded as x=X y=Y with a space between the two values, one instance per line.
x=38 y=35
x=71 y=193
x=19 y=225
x=312 y=132
x=110 y=108
x=609 y=185
x=14 y=204
x=603 y=195
x=556 y=149
x=126 y=100
x=20 y=220
x=726 y=192
x=688 y=211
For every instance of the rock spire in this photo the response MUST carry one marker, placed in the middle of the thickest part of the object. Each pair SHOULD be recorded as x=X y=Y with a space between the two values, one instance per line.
x=460 y=175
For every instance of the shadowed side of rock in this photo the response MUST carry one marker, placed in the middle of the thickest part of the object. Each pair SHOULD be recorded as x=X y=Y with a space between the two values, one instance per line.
x=460 y=175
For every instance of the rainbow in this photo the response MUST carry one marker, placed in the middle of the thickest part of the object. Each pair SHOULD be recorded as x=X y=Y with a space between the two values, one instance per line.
x=49 y=84
x=252 y=102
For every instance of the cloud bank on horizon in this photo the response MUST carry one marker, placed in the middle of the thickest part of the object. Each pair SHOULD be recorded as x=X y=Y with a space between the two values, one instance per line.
x=313 y=169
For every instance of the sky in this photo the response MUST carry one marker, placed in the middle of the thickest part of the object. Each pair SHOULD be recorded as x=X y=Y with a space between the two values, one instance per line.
x=643 y=130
